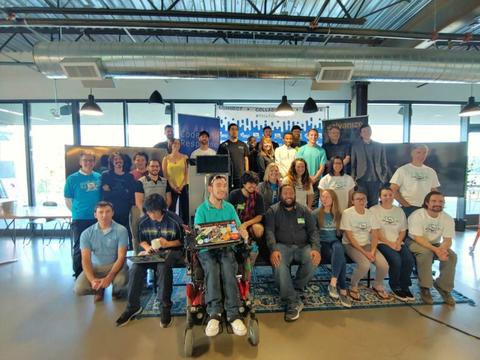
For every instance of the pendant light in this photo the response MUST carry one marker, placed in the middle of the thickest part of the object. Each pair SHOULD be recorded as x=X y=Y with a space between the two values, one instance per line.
x=156 y=98
x=284 y=108
x=471 y=108
x=310 y=106
x=91 y=107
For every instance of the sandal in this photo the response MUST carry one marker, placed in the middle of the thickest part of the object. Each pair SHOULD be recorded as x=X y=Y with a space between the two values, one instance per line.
x=382 y=294
x=354 y=294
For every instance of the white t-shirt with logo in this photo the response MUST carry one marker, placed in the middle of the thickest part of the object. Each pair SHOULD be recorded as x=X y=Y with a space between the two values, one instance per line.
x=341 y=185
x=392 y=221
x=200 y=152
x=361 y=225
x=415 y=182
x=432 y=229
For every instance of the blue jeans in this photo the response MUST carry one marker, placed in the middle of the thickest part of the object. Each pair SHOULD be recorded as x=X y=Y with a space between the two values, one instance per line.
x=400 y=266
x=334 y=252
x=283 y=277
x=408 y=210
x=220 y=268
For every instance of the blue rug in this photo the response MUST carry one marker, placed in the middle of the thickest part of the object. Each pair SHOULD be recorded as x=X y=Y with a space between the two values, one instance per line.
x=315 y=296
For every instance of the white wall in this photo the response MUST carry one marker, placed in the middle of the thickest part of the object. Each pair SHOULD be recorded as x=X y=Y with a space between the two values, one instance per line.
x=20 y=82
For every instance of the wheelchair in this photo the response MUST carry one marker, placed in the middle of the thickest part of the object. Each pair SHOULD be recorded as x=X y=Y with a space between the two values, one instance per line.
x=196 y=314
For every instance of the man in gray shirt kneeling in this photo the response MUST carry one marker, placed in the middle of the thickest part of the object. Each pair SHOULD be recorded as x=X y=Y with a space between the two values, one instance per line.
x=292 y=237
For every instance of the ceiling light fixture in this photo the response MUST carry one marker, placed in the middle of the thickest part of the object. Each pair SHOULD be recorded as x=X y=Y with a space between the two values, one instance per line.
x=471 y=108
x=156 y=98
x=91 y=107
x=310 y=106
x=284 y=108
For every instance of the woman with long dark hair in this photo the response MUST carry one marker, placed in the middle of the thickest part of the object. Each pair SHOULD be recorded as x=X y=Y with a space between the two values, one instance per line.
x=338 y=181
x=298 y=177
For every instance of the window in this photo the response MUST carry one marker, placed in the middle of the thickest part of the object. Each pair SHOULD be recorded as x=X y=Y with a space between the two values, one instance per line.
x=435 y=123
x=473 y=174
x=103 y=130
x=386 y=121
x=49 y=135
x=13 y=173
x=146 y=124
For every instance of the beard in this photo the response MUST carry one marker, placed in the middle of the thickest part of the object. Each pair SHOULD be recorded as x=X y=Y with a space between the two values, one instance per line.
x=287 y=202
x=437 y=209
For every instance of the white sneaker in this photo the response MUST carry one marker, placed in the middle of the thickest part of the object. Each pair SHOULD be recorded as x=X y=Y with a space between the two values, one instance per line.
x=212 y=328
x=238 y=327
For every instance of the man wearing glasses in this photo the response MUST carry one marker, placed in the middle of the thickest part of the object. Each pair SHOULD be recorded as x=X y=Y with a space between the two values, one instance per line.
x=82 y=193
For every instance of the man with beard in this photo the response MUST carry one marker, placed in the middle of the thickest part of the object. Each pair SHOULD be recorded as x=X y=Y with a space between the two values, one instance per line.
x=285 y=154
x=292 y=237
x=203 y=150
x=431 y=231
x=297 y=142
x=237 y=151
x=167 y=145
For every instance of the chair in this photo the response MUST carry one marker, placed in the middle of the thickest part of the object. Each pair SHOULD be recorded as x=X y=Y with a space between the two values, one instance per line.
x=34 y=223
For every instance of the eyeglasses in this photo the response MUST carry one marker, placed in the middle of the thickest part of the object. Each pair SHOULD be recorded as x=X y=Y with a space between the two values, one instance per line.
x=218 y=177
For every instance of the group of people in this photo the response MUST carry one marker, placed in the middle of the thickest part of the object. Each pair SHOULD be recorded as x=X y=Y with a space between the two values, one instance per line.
x=276 y=213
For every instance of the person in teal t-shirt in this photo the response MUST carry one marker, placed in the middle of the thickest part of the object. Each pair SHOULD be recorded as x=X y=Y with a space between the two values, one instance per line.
x=316 y=159
x=220 y=263
x=82 y=192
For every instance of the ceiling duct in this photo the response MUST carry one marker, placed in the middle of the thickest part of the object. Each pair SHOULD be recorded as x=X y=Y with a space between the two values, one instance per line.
x=166 y=60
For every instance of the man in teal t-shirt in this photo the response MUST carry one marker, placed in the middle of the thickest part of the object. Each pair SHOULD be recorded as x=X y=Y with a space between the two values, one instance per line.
x=82 y=192
x=316 y=159
x=216 y=262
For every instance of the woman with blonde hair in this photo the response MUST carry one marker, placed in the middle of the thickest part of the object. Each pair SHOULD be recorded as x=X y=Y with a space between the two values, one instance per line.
x=268 y=188
x=328 y=218
x=266 y=155
x=298 y=177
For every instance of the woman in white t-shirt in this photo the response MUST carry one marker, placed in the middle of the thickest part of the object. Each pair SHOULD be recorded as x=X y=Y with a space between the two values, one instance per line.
x=360 y=239
x=298 y=176
x=393 y=228
x=339 y=182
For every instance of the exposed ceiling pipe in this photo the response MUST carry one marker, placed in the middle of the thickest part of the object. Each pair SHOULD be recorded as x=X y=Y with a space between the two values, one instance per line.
x=122 y=60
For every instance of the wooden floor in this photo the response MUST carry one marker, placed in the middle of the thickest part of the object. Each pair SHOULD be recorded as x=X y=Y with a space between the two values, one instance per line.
x=41 y=318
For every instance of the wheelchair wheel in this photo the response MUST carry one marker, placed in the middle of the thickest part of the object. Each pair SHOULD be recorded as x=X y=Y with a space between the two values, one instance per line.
x=188 y=342
x=253 y=332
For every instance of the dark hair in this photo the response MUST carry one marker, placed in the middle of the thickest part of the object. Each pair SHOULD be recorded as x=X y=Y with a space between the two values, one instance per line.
x=214 y=177
x=280 y=189
x=266 y=128
x=158 y=161
x=231 y=124
x=428 y=196
x=296 y=127
x=249 y=176
x=292 y=174
x=332 y=172
x=102 y=204
x=203 y=132
x=384 y=188
x=154 y=202
x=167 y=126
x=364 y=126
x=357 y=192
x=127 y=162
x=287 y=133
x=141 y=153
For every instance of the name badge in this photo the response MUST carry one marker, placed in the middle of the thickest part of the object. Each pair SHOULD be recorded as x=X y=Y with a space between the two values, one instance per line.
x=241 y=206
x=301 y=220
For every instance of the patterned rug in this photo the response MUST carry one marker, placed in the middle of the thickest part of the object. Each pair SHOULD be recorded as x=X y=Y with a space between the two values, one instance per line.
x=315 y=296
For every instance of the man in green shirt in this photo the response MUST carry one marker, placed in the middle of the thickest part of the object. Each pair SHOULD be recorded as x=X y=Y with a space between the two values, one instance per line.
x=220 y=263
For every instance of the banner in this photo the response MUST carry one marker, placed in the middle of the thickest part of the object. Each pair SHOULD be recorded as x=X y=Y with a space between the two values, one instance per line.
x=189 y=128
x=251 y=120
x=349 y=128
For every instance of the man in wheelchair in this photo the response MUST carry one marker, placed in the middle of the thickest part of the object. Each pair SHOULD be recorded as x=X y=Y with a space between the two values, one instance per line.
x=158 y=232
x=219 y=264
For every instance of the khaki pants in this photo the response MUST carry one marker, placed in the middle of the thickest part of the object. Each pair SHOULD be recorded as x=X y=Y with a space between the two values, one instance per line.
x=363 y=265
x=424 y=258
x=119 y=283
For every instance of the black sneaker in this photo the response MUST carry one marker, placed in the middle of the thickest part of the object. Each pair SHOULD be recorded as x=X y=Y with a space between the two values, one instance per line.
x=128 y=315
x=165 y=318
x=408 y=294
x=293 y=313
x=400 y=295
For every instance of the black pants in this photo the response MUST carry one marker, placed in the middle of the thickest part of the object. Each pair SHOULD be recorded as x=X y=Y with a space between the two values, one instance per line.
x=370 y=188
x=164 y=279
x=183 y=204
x=77 y=228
